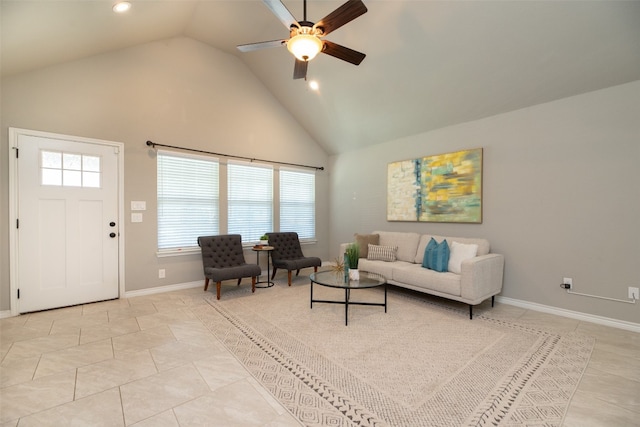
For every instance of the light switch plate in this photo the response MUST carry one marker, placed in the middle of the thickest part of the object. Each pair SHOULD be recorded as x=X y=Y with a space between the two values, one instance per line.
x=138 y=205
x=136 y=217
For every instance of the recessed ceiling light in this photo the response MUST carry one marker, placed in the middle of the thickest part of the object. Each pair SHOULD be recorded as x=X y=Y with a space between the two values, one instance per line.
x=121 y=7
x=313 y=84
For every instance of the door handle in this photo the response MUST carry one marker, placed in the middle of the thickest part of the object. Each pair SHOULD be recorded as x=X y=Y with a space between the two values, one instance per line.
x=112 y=235
x=112 y=224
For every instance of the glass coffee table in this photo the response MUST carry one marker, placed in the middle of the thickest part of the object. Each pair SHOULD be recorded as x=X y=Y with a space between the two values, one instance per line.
x=334 y=279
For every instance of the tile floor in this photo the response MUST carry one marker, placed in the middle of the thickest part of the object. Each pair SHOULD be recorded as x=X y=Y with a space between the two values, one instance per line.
x=148 y=361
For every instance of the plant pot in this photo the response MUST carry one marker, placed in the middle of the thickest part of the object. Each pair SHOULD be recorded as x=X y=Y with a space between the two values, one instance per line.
x=354 y=274
x=264 y=242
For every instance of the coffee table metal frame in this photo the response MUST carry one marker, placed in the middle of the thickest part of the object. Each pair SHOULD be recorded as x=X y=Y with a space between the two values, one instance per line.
x=334 y=279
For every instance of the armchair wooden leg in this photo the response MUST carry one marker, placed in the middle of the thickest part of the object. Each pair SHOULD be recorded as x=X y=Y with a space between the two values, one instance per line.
x=253 y=284
x=218 y=286
x=206 y=283
x=289 y=277
x=240 y=279
x=297 y=272
x=315 y=268
x=274 y=273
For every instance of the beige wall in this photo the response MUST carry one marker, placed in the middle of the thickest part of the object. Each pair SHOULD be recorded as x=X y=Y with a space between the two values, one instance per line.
x=561 y=196
x=561 y=181
x=177 y=92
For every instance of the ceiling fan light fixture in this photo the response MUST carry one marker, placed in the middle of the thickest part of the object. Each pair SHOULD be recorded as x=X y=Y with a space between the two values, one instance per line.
x=305 y=47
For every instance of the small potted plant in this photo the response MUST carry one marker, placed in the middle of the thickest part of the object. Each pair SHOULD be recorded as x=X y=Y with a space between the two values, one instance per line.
x=264 y=240
x=353 y=255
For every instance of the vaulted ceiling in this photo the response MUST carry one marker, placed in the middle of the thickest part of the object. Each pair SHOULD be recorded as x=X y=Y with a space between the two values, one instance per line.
x=429 y=64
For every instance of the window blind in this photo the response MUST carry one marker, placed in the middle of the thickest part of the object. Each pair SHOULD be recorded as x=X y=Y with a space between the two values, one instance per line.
x=188 y=199
x=250 y=200
x=298 y=202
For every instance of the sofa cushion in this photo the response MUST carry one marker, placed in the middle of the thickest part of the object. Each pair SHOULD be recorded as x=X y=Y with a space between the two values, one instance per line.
x=415 y=275
x=459 y=253
x=379 y=267
x=436 y=256
x=382 y=253
x=363 y=241
x=407 y=244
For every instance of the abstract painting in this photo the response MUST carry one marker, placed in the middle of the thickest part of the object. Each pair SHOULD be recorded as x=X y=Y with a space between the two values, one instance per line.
x=440 y=188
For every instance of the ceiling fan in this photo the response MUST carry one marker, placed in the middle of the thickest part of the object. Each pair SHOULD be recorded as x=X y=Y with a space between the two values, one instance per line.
x=305 y=40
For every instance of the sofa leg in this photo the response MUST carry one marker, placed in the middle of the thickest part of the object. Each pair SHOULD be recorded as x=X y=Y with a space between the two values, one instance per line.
x=289 y=277
x=218 y=287
x=253 y=284
x=206 y=283
x=297 y=272
x=274 y=273
x=493 y=299
x=315 y=268
x=470 y=311
x=240 y=279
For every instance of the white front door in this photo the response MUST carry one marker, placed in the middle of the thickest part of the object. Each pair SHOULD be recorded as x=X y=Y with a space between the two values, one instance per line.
x=67 y=221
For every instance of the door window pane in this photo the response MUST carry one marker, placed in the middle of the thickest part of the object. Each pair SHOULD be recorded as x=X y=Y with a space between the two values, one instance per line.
x=71 y=161
x=70 y=169
x=51 y=177
x=51 y=159
x=91 y=163
x=71 y=178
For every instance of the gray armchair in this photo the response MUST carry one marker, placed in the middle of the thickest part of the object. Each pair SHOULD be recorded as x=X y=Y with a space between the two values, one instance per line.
x=223 y=259
x=287 y=254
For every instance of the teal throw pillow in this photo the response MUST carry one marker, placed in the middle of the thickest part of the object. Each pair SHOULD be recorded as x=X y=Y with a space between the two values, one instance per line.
x=426 y=260
x=436 y=256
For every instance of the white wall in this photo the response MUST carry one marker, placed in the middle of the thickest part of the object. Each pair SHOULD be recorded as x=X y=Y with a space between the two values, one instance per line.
x=561 y=196
x=177 y=92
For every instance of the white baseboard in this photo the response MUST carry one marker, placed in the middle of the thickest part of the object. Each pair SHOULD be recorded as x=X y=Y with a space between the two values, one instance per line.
x=5 y=313
x=162 y=289
x=606 y=321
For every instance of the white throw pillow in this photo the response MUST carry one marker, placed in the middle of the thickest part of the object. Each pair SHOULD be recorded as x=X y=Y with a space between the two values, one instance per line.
x=460 y=252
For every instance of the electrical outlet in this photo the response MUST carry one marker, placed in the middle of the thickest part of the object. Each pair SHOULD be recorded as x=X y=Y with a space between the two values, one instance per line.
x=633 y=293
x=567 y=282
x=161 y=273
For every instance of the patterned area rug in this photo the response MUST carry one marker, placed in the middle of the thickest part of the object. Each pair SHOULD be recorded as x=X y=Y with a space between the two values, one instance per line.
x=423 y=363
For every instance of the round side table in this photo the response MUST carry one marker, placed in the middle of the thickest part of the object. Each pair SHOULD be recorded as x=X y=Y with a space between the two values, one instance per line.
x=257 y=249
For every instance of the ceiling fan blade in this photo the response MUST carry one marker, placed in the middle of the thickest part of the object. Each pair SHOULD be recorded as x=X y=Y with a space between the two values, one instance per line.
x=260 y=45
x=281 y=12
x=345 y=13
x=300 y=69
x=344 y=53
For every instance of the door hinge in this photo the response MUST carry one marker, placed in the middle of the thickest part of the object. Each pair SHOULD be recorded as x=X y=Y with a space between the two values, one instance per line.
x=17 y=149
x=17 y=223
x=18 y=293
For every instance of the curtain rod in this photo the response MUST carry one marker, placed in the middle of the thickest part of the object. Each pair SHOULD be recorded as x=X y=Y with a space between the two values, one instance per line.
x=153 y=145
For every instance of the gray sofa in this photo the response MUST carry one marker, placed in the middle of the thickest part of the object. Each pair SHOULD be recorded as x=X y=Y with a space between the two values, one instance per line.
x=480 y=277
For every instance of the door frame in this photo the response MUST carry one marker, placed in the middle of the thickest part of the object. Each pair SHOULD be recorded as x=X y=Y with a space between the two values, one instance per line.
x=14 y=133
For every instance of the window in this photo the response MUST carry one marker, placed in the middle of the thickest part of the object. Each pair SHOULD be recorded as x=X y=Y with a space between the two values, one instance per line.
x=250 y=200
x=188 y=200
x=298 y=202
x=189 y=203
x=69 y=169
